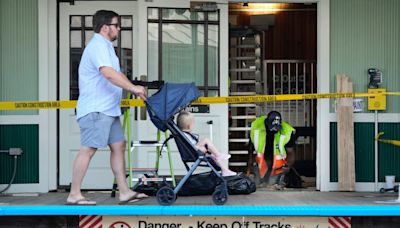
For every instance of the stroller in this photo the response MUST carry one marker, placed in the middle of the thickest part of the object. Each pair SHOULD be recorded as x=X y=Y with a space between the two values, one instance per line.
x=162 y=106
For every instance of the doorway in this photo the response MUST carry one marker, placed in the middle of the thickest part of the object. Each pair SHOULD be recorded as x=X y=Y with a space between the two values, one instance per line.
x=273 y=50
x=162 y=28
x=75 y=29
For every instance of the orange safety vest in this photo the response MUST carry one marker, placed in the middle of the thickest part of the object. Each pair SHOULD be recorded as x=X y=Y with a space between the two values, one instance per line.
x=281 y=138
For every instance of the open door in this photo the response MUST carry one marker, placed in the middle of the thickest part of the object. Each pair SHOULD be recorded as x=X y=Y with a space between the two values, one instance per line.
x=273 y=50
x=75 y=32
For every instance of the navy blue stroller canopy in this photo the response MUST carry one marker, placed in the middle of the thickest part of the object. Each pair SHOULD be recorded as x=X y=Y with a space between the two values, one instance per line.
x=169 y=100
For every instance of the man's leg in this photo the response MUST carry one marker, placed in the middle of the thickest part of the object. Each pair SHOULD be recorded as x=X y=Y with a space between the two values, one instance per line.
x=277 y=181
x=117 y=160
x=80 y=167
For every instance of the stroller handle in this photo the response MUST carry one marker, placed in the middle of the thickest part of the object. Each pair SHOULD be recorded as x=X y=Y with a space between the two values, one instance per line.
x=149 y=85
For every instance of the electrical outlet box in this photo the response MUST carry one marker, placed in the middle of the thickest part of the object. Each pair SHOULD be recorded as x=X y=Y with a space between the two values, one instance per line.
x=377 y=102
x=15 y=151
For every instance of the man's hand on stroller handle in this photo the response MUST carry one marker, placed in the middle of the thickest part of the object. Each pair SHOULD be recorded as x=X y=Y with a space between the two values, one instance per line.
x=140 y=91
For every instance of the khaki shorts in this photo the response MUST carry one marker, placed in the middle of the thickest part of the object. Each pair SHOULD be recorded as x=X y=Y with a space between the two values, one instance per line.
x=99 y=130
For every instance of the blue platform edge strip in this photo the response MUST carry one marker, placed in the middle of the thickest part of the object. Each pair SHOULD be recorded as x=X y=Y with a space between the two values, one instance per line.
x=389 y=210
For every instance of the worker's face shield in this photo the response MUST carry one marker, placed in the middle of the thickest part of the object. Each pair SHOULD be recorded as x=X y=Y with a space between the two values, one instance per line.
x=274 y=124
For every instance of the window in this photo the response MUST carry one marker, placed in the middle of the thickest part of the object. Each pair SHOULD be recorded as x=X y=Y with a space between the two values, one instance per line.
x=183 y=47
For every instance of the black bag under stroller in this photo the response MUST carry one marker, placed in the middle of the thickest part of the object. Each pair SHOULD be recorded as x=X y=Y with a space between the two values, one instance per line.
x=162 y=106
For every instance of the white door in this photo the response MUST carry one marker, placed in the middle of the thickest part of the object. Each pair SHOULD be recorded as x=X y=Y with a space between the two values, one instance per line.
x=132 y=50
x=148 y=33
x=75 y=31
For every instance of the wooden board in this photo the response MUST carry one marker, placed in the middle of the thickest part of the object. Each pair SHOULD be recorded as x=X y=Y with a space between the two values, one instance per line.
x=346 y=157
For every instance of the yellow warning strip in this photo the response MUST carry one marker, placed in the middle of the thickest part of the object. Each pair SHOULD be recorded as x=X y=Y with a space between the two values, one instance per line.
x=32 y=105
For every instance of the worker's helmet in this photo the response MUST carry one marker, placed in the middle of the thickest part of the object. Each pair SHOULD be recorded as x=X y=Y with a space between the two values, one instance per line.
x=273 y=122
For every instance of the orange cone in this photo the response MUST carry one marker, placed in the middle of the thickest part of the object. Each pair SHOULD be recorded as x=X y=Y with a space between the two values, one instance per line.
x=279 y=163
x=262 y=165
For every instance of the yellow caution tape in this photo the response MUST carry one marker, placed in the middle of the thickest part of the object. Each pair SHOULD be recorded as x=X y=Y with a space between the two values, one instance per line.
x=32 y=105
x=270 y=98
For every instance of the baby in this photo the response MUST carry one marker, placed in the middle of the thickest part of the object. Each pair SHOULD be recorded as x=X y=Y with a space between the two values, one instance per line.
x=185 y=122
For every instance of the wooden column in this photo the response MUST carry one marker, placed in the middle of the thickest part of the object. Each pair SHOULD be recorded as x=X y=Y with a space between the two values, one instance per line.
x=345 y=131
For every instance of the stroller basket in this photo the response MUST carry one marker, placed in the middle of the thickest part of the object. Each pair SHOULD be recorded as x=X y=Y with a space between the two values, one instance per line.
x=162 y=107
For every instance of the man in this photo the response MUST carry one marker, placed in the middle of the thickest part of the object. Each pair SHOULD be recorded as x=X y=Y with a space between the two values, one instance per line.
x=98 y=109
x=273 y=140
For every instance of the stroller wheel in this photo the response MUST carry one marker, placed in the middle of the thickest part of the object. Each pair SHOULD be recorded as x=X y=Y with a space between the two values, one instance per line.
x=396 y=188
x=166 y=196
x=220 y=196
x=382 y=190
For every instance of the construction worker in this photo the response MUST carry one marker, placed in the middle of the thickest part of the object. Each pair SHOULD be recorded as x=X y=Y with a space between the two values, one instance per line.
x=273 y=140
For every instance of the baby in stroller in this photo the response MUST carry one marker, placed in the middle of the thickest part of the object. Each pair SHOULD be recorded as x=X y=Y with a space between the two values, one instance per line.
x=162 y=106
x=186 y=122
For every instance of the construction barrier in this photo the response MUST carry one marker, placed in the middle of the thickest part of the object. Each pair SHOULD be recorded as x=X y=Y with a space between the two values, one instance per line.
x=33 y=105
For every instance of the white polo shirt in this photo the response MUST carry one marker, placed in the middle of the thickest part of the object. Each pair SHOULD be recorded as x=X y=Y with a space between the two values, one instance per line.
x=96 y=93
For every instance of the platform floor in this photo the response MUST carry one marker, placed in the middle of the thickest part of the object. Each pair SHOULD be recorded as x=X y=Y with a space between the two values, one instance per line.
x=262 y=197
x=364 y=209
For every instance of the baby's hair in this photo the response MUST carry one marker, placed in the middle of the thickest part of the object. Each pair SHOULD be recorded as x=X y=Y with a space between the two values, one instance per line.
x=184 y=120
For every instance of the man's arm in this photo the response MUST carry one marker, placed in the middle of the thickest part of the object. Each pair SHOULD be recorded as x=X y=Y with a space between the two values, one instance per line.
x=290 y=153
x=250 y=158
x=120 y=80
x=291 y=156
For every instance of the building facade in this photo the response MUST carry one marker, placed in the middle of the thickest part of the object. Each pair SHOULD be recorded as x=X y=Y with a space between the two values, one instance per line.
x=41 y=42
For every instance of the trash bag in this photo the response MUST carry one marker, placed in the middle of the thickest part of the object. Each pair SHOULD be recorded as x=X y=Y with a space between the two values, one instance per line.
x=200 y=184
x=293 y=179
x=205 y=184
x=240 y=184
x=150 y=188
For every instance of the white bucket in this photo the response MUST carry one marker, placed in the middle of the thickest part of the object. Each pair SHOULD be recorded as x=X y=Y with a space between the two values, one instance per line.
x=390 y=181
